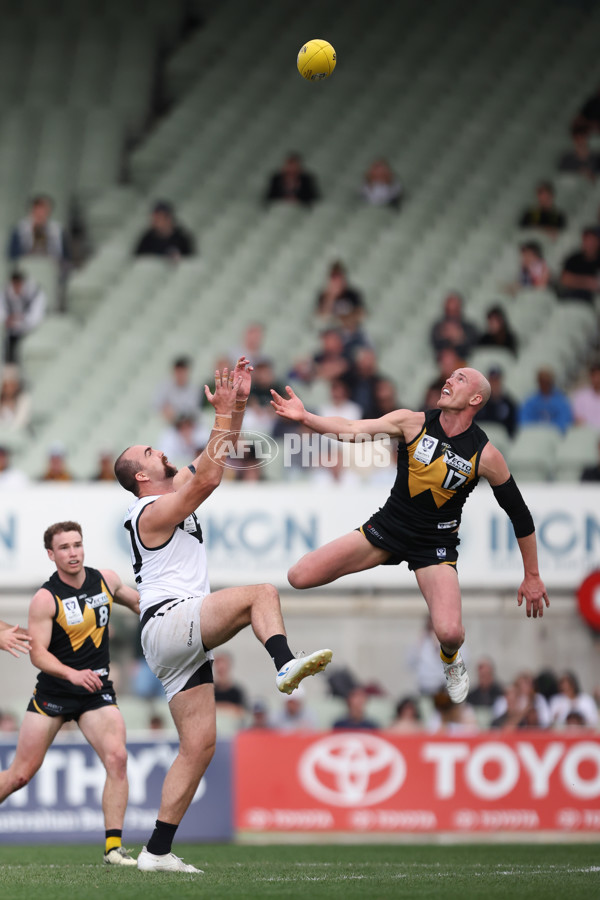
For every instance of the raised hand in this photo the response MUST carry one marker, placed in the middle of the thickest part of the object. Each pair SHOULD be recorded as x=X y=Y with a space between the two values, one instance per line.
x=533 y=591
x=290 y=407
x=15 y=639
x=243 y=371
x=226 y=388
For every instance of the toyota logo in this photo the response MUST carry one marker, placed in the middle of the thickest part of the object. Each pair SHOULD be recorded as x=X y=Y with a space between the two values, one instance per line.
x=352 y=769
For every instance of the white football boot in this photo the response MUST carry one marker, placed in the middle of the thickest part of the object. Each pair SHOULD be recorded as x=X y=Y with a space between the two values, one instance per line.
x=291 y=674
x=119 y=856
x=167 y=862
x=457 y=679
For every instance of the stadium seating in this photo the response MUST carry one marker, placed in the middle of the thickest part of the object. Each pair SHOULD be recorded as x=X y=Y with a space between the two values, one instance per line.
x=468 y=146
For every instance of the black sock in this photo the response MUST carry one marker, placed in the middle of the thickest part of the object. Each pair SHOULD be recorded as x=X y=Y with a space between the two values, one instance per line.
x=162 y=838
x=278 y=650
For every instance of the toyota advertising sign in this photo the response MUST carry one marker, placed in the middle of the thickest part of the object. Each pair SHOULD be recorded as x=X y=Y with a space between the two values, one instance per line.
x=375 y=782
x=63 y=801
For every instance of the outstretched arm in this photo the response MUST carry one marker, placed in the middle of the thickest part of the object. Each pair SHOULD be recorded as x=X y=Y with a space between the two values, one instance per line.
x=394 y=424
x=122 y=593
x=157 y=520
x=532 y=589
x=13 y=638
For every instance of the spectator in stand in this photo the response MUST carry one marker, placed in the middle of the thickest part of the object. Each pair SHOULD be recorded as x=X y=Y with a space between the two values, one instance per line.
x=293 y=184
x=580 y=160
x=453 y=330
x=353 y=335
x=251 y=344
x=408 y=718
x=381 y=187
x=586 y=400
x=260 y=715
x=183 y=440
x=56 y=469
x=571 y=699
x=488 y=690
x=534 y=271
x=424 y=662
x=38 y=234
x=363 y=380
x=229 y=697
x=339 y=403
x=10 y=479
x=547 y=405
x=165 y=237
x=498 y=332
x=544 y=214
x=330 y=360
x=527 y=701
x=386 y=398
x=355 y=717
x=22 y=308
x=15 y=401
x=338 y=297
x=259 y=414
x=294 y=715
x=177 y=395
x=588 y=116
x=500 y=409
x=579 y=278
x=592 y=472
x=509 y=713
x=448 y=360
x=449 y=717
x=105 y=470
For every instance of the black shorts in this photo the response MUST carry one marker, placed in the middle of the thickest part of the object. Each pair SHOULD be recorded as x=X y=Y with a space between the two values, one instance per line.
x=70 y=706
x=410 y=548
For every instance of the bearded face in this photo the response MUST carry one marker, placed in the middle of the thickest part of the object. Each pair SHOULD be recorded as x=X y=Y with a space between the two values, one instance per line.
x=170 y=470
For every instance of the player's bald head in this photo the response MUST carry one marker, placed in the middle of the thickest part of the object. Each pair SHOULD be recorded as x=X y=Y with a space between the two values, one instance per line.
x=480 y=385
x=127 y=465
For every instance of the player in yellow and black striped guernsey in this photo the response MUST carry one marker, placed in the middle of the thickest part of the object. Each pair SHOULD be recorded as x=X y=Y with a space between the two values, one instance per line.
x=441 y=454
x=68 y=625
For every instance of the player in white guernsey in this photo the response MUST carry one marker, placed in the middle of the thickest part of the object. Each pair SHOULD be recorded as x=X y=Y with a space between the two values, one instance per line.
x=182 y=621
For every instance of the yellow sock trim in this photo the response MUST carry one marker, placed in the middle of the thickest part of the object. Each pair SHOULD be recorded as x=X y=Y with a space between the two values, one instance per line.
x=111 y=843
x=447 y=659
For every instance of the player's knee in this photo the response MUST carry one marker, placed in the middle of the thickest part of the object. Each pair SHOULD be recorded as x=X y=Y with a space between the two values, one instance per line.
x=297 y=577
x=450 y=634
x=268 y=593
x=116 y=760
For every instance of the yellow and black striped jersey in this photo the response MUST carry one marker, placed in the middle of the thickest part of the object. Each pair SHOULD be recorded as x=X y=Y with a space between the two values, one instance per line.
x=436 y=474
x=79 y=629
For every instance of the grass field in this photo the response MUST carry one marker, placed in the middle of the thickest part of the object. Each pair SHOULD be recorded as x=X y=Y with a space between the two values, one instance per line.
x=568 y=872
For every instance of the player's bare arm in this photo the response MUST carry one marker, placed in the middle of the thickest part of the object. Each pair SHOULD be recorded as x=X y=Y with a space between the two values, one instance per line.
x=493 y=467
x=14 y=639
x=242 y=374
x=122 y=593
x=158 y=519
x=41 y=614
x=401 y=424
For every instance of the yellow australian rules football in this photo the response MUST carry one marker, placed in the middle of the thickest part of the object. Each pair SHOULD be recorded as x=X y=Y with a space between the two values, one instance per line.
x=316 y=60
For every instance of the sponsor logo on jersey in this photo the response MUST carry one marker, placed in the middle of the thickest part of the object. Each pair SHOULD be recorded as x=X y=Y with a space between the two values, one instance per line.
x=457 y=462
x=97 y=600
x=425 y=449
x=446 y=525
x=189 y=643
x=441 y=553
x=107 y=697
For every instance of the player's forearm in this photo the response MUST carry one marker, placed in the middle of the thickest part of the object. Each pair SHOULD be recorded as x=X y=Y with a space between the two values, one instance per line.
x=528 y=548
x=336 y=425
x=47 y=662
x=237 y=419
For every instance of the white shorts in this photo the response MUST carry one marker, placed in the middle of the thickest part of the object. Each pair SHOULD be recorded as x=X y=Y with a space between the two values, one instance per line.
x=172 y=644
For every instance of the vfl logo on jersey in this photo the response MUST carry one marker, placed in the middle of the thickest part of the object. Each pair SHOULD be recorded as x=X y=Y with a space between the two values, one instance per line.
x=441 y=553
x=73 y=613
x=97 y=600
x=457 y=462
x=191 y=526
x=425 y=449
